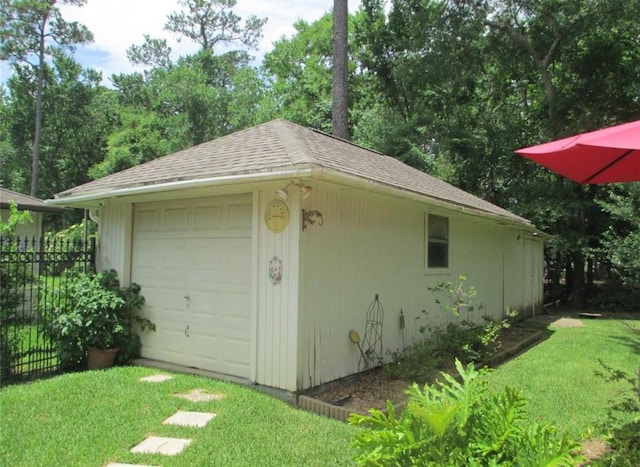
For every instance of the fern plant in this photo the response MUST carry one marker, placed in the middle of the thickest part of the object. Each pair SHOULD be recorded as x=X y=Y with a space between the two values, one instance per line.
x=460 y=422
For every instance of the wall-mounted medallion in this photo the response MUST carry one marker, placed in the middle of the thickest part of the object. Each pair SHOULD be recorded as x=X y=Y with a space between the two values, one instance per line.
x=275 y=270
x=277 y=216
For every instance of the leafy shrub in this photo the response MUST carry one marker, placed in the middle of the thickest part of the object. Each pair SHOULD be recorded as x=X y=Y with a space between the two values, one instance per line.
x=419 y=362
x=460 y=423
x=467 y=341
x=70 y=241
x=623 y=422
x=615 y=297
x=14 y=275
x=96 y=312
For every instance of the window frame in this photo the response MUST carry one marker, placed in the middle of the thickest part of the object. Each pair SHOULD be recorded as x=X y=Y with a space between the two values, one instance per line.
x=430 y=238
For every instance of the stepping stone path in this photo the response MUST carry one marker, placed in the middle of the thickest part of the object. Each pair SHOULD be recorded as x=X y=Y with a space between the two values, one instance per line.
x=160 y=445
x=173 y=446
x=156 y=378
x=117 y=464
x=198 y=395
x=183 y=418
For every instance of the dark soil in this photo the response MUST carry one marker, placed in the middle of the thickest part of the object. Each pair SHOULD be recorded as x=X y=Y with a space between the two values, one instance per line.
x=373 y=388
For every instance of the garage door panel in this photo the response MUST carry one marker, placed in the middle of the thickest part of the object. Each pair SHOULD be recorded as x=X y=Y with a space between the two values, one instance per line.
x=207 y=218
x=193 y=262
x=236 y=351
x=239 y=216
x=176 y=219
x=148 y=220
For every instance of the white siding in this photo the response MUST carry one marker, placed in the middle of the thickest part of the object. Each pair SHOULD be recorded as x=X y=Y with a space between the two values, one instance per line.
x=371 y=244
x=277 y=305
x=114 y=239
x=368 y=244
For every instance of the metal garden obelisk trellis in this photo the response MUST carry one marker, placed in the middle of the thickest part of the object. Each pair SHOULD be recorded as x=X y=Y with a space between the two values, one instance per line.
x=372 y=340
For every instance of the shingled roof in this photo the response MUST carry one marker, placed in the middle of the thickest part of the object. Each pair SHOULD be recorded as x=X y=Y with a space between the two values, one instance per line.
x=24 y=202
x=275 y=147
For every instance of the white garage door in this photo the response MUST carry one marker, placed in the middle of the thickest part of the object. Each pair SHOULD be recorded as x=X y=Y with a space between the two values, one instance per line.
x=192 y=259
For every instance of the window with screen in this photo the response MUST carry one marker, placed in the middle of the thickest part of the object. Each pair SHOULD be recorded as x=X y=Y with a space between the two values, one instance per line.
x=437 y=241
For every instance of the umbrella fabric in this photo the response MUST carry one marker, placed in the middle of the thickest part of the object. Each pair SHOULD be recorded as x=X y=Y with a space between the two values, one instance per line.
x=609 y=155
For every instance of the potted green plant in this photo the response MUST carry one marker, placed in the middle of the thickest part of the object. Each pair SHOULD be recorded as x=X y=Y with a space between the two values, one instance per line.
x=99 y=320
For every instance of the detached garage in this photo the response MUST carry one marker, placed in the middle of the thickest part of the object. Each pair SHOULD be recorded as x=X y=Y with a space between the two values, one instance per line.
x=258 y=252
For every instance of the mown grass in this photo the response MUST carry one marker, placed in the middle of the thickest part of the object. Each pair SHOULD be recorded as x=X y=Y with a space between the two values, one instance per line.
x=558 y=376
x=94 y=418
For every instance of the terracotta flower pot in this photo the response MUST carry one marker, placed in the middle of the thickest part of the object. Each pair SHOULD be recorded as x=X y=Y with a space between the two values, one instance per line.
x=99 y=359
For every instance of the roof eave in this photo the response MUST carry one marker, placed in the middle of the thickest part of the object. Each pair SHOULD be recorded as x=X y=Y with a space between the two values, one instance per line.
x=96 y=199
x=372 y=185
x=307 y=170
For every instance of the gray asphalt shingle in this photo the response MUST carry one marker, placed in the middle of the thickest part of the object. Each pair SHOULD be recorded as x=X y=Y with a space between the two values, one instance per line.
x=280 y=145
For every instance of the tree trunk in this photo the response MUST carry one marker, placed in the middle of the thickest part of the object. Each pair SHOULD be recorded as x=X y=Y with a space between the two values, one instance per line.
x=35 y=161
x=339 y=117
x=577 y=280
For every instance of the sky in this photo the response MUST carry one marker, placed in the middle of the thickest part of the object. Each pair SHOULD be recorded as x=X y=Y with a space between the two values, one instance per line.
x=118 y=24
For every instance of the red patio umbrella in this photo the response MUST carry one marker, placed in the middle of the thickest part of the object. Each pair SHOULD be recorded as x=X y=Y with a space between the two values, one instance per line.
x=609 y=155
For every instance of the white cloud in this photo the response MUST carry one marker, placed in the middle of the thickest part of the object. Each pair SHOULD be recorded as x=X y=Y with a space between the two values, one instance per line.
x=118 y=24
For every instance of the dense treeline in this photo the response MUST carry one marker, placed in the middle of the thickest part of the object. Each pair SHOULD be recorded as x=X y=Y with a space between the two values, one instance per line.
x=451 y=87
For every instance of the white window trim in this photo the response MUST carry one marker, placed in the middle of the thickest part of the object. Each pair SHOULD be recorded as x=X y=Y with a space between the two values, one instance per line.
x=434 y=271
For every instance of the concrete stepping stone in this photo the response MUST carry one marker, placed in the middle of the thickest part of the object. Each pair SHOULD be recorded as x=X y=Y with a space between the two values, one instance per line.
x=117 y=464
x=184 y=418
x=200 y=395
x=160 y=445
x=156 y=378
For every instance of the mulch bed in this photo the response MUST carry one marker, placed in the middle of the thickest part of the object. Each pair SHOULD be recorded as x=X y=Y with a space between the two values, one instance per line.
x=373 y=388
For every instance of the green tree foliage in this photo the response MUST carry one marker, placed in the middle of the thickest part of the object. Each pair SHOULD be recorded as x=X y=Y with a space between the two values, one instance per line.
x=163 y=110
x=300 y=74
x=152 y=52
x=199 y=98
x=31 y=31
x=621 y=241
x=77 y=115
x=467 y=83
x=211 y=22
x=299 y=69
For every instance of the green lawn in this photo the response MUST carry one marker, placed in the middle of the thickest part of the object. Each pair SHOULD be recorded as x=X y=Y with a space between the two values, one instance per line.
x=94 y=418
x=558 y=375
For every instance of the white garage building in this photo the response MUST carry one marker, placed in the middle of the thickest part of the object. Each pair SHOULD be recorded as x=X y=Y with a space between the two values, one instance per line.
x=258 y=252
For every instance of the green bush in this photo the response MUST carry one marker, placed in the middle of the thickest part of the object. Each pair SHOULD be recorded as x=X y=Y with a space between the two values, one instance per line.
x=95 y=311
x=419 y=362
x=14 y=273
x=460 y=423
x=623 y=424
x=14 y=276
x=467 y=340
x=72 y=242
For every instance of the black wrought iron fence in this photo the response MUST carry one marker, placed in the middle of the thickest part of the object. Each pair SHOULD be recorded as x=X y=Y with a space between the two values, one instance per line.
x=34 y=277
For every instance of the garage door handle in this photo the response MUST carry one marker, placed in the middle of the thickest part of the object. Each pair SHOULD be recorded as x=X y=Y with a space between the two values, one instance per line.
x=186 y=331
